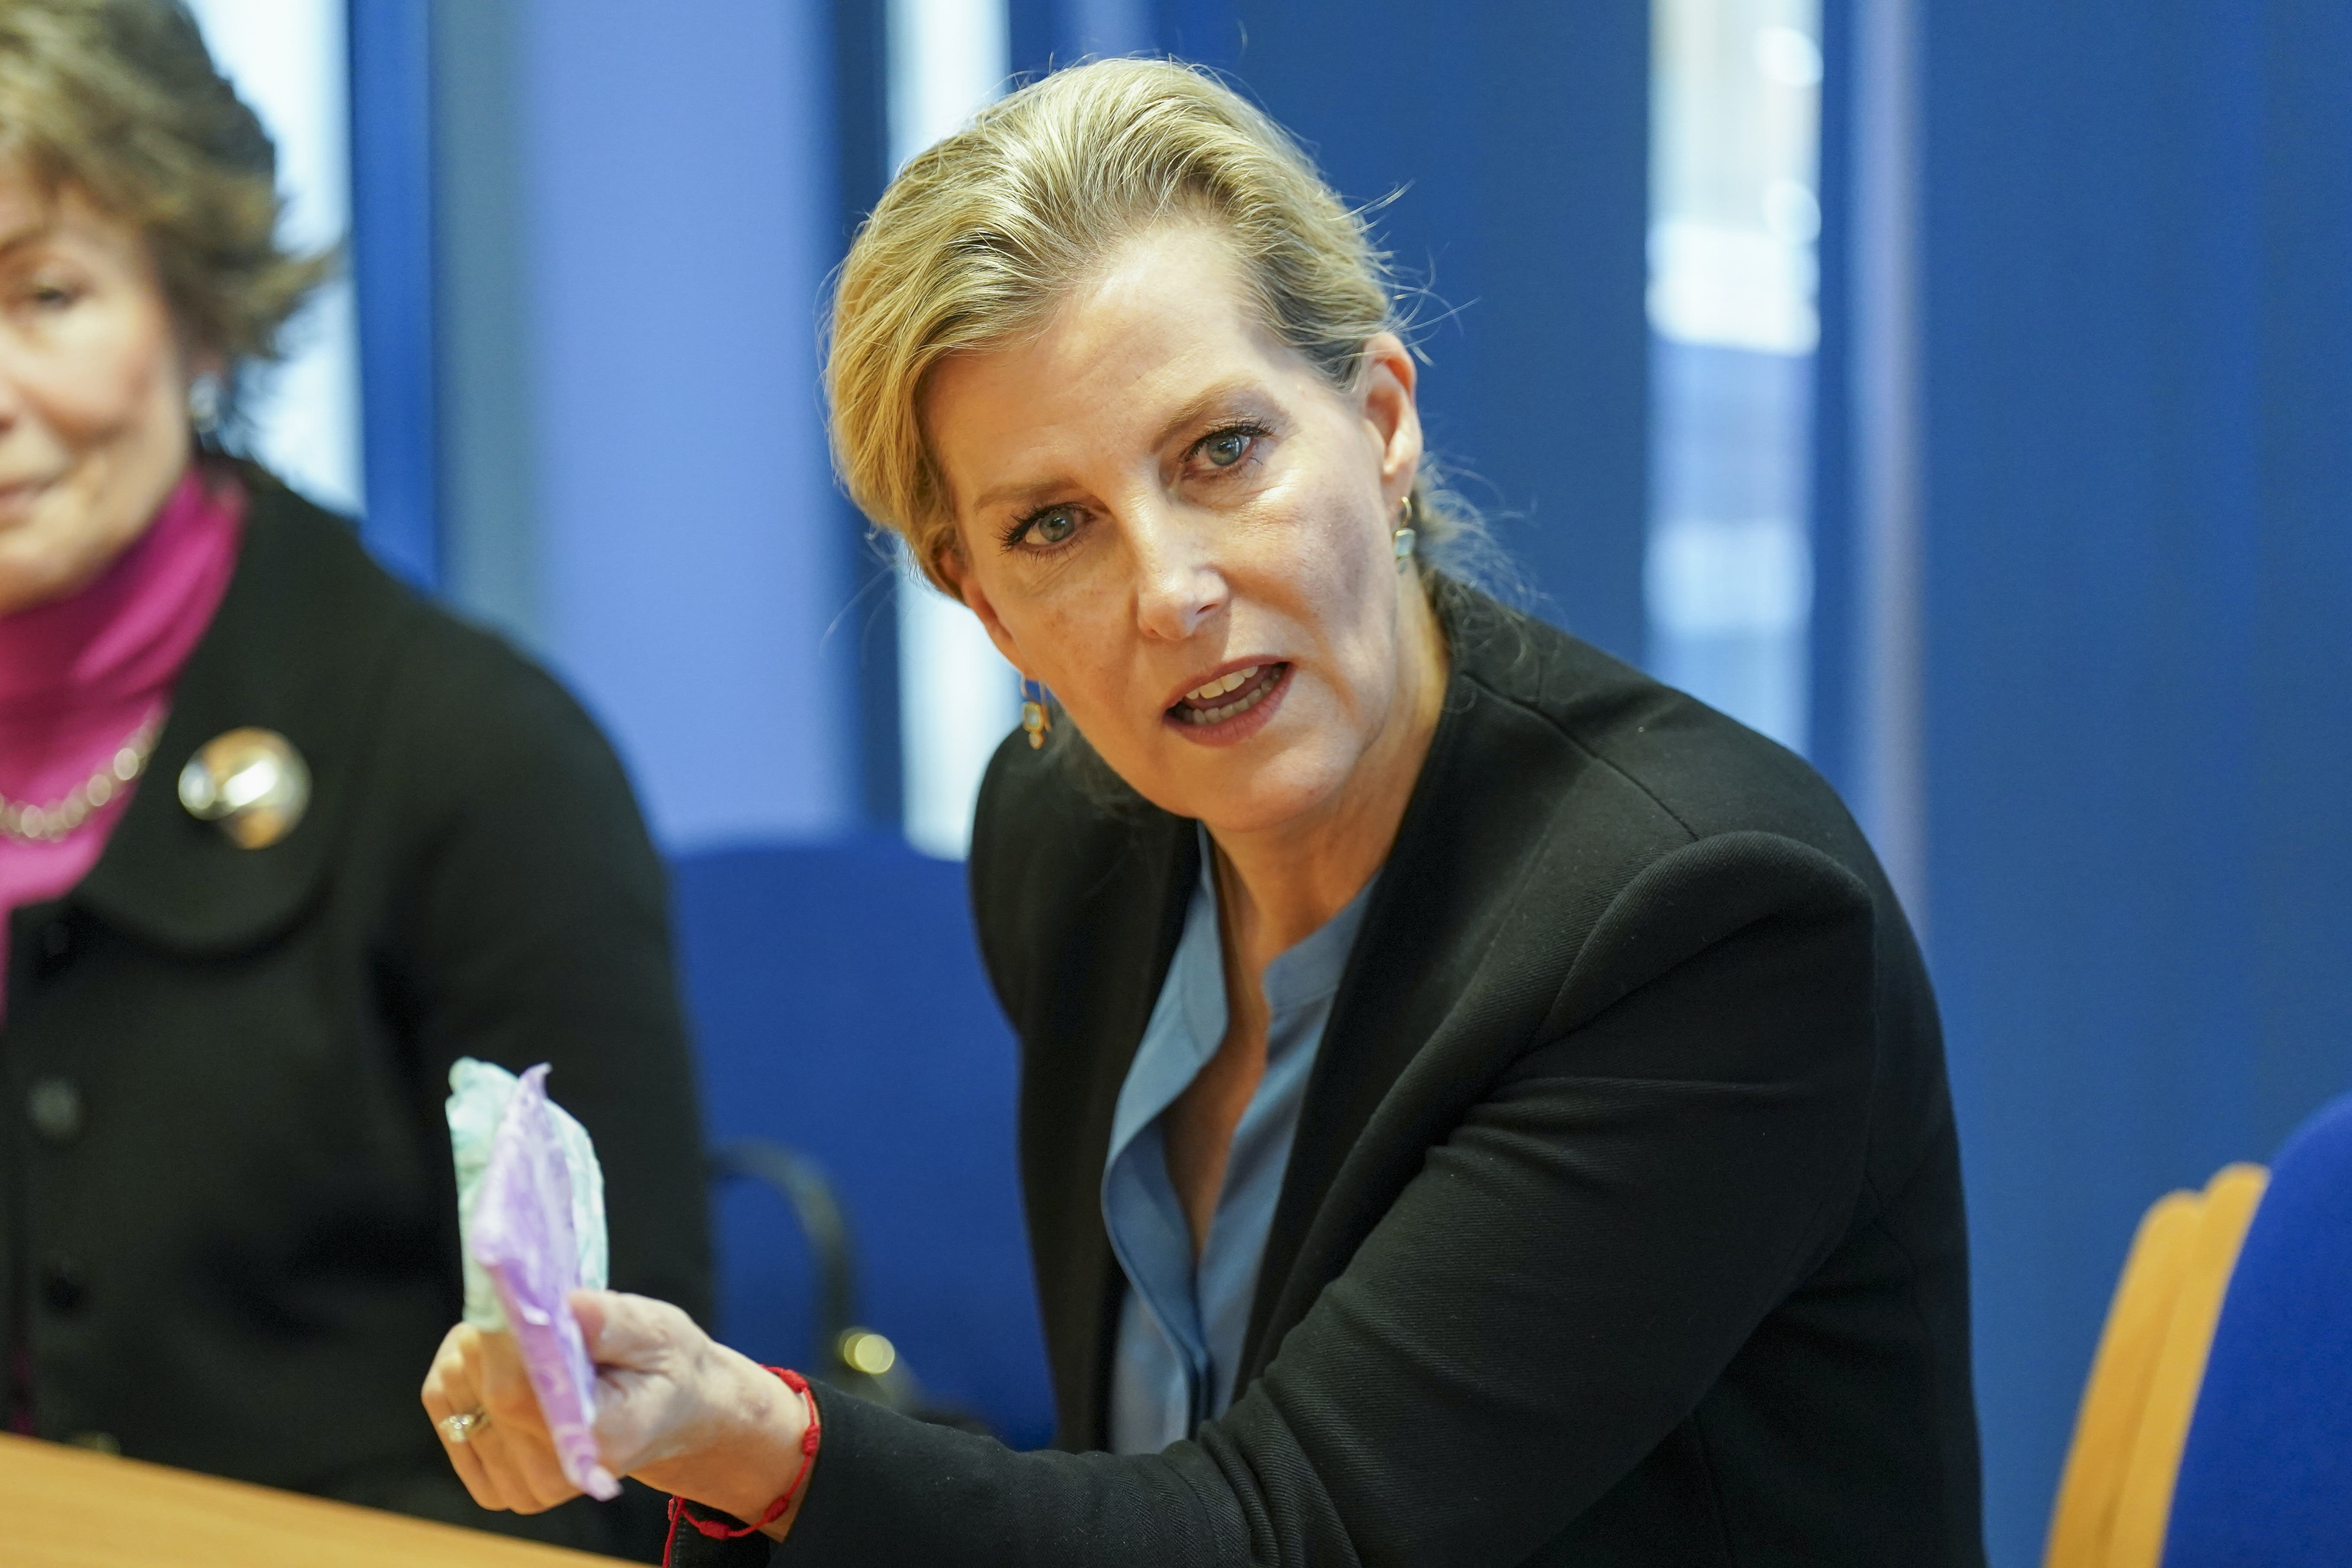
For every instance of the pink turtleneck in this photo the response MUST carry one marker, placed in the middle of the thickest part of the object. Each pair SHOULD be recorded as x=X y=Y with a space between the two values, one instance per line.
x=80 y=675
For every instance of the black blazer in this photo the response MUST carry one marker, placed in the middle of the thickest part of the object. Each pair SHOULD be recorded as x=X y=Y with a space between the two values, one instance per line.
x=1623 y=1221
x=238 y=1251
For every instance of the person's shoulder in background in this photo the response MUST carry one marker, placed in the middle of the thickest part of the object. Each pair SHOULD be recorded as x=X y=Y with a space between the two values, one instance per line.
x=520 y=904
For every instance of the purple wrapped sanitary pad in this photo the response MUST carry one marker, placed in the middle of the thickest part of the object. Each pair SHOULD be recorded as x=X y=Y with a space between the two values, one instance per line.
x=521 y=1235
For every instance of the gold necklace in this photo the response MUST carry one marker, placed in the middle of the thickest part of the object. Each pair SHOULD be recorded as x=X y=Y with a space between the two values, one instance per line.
x=52 y=824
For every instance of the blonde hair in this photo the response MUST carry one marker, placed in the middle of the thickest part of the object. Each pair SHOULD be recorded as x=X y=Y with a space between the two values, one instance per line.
x=119 y=100
x=981 y=235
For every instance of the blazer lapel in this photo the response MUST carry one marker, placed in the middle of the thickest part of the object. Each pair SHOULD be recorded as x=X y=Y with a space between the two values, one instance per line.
x=294 y=648
x=1450 y=880
x=1088 y=1028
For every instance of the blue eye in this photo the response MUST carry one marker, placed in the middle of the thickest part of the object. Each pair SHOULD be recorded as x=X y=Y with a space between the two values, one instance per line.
x=1042 y=531
x=1226 y=447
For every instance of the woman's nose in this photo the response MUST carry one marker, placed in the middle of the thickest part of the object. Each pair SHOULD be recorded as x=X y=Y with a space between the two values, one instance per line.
x=1180 y=587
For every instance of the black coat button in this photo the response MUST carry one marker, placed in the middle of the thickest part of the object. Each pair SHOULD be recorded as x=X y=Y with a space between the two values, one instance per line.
x=54 y=1108
x=62 y=1285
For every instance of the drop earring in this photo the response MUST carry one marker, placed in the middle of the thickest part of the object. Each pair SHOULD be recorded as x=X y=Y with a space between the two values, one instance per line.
x=204 y=397
x=1034 y=719
x=1406 y=536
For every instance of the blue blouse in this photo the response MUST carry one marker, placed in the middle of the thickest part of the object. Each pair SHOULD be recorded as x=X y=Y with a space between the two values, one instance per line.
x=1181 y=1327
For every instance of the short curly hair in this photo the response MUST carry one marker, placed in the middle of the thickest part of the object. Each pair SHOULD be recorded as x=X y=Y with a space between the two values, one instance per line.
x=119 y=100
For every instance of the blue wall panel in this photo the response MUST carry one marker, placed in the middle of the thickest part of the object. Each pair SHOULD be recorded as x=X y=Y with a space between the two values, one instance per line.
x=2139 y=381
x=681 y=172
x=865 y=638
x=2302 y=697
x=391 y=266
x=1518 y=135
x=1834 y=627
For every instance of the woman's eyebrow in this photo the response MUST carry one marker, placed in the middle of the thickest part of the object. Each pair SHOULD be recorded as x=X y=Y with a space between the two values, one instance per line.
x=1199 y=407
x=38 y=232
x=1020 y=490
x=1190 y=414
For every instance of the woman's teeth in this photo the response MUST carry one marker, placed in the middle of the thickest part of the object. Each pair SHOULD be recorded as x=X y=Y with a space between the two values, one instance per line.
x=1219 y=687
x=1192 y=712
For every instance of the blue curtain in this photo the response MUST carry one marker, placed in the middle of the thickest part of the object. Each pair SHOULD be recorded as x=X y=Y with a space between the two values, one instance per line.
x=2135 y=352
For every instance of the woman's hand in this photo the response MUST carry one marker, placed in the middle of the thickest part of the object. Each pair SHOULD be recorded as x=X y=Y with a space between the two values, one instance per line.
x=674 y=1408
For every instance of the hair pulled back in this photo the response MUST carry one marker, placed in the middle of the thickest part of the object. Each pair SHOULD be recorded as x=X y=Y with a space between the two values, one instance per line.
x=981 y=235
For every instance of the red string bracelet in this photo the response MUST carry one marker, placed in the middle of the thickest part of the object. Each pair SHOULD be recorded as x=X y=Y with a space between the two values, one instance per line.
x=679 y=1508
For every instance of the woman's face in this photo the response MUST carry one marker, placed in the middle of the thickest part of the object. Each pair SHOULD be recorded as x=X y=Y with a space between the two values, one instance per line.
x=93 y=391
x=1169 y=517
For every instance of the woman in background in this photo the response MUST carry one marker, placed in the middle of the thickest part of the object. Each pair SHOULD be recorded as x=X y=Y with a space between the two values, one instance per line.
x=228 y=1226
x=1478 y=1106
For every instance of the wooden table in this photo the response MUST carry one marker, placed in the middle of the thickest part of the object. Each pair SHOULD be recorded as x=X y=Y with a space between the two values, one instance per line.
x=66 y=1508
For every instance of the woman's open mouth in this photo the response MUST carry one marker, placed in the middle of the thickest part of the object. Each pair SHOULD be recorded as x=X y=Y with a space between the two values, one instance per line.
x=1231 y=704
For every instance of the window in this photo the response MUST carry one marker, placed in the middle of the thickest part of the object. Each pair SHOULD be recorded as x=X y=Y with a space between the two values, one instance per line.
x=957 y=697
x=1728 y=579
x=287 y=59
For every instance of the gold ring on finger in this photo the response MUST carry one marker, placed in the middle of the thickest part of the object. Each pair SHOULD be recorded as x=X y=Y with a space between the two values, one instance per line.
x=460 y=1428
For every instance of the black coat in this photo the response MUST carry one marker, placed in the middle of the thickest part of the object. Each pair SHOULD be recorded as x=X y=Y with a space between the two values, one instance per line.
x=230 y=1237
x=1623 y=1223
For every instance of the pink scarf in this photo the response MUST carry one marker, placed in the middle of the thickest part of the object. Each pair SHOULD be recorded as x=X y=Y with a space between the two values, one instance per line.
x=78 y=676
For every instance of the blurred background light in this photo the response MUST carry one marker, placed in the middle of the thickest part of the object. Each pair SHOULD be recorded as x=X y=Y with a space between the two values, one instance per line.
x=1727 y=574
x=287 y=58
x=958 y=697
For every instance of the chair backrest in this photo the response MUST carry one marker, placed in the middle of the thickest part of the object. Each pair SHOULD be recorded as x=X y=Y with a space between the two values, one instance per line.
x=2118 y=1487
x=840 y=1010
x=2084 y=1520
x=2266 y=1476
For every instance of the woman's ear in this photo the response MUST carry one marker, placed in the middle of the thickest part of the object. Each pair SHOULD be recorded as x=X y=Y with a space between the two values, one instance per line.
x=1390 y=412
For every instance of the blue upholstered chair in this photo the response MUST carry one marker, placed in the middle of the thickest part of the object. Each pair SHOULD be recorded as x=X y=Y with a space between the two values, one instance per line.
x=841 y=1011
x=2266 y=1476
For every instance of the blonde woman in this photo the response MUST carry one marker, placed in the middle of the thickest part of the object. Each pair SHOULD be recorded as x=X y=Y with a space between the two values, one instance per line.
x=227 y=1013
x=1479 y=1107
